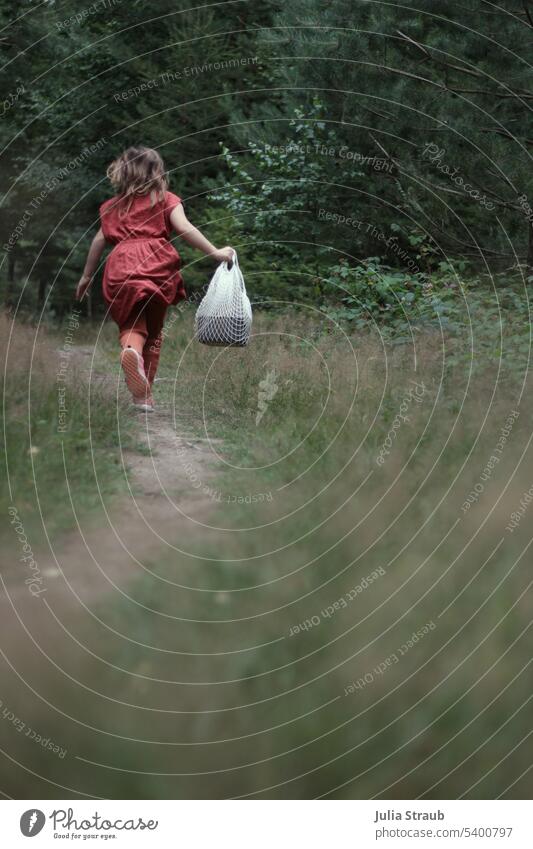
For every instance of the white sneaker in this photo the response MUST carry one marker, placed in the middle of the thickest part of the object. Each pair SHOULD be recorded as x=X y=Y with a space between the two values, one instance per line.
x=144 y=406
x=136 y=380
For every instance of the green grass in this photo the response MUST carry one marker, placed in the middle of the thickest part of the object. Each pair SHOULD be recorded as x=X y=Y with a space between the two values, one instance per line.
x=235 y=705
x=61 y=432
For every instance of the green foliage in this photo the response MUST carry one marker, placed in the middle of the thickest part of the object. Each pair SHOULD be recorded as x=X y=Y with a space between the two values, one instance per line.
x=346 y=124
x=398 y=79
x=100 y=81
x=373 y=290
x=376 y=291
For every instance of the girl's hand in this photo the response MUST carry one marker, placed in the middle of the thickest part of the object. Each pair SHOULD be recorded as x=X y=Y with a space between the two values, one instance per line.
x=224 y=255
x=82 y=287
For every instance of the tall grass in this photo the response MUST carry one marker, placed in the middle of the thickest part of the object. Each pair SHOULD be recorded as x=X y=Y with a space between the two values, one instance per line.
x=275 y=655
x=60 y=427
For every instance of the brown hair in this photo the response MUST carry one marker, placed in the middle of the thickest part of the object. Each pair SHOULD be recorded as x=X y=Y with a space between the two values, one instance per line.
x=138 y=171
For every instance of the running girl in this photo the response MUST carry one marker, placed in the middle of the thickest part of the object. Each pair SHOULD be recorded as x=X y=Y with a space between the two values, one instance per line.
x=142 y=277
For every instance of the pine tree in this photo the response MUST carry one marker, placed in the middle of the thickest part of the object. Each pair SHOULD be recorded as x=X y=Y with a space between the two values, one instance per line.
x=442 y=96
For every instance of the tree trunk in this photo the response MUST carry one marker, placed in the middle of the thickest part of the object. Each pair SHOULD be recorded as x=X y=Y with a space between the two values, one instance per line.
x=529 y=261
x=10 y=288
x=42 y=292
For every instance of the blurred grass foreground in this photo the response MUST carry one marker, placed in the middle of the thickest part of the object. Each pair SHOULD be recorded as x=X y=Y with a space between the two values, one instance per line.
x=347 y=615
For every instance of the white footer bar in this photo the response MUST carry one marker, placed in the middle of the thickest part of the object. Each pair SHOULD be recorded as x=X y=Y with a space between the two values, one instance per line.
x=266 y=824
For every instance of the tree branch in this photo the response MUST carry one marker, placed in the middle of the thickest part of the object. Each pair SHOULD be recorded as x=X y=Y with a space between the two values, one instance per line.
x=459 y=192
x=524 y=95
x=412 y=76
x=460 y=68
x=506 y=135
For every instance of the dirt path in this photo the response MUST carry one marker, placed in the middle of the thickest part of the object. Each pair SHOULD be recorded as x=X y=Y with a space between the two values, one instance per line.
x=166 y=506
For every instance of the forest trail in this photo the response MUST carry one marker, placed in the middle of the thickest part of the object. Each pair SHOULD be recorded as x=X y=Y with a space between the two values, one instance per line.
x=168 y=500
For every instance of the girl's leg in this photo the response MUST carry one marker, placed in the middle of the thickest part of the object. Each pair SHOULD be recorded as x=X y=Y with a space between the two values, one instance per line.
x=151 y=354
x=133 y=334
x=155 y=318
x=133 y=338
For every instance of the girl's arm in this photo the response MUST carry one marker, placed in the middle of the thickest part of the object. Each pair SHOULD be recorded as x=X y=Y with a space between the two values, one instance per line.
x=91 y=264
x=193 y=237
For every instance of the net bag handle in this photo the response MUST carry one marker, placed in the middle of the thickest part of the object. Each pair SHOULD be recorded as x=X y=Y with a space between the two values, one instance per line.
x=235 y=262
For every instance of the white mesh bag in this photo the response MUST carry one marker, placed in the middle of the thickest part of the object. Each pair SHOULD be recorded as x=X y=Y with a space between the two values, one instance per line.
x=224 y=316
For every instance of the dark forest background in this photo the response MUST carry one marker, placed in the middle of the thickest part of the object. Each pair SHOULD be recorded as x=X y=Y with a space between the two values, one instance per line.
x=276 y=122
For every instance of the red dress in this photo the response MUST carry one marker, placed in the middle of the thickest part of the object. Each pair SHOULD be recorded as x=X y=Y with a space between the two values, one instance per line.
x=143 y=264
